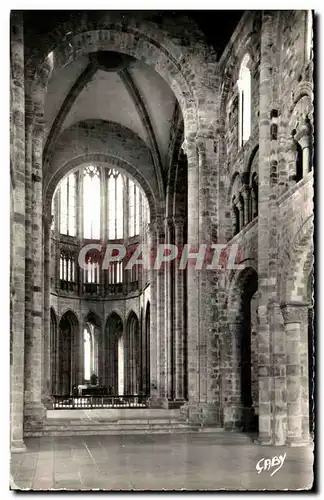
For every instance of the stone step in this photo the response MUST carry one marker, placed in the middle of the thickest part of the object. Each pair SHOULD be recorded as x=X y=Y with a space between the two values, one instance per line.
x=121 y=422
x=106 y=432
x=90 y=430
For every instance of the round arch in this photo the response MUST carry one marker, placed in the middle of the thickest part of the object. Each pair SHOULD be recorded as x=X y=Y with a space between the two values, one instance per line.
x=241 y=351
x=107 y=143
x=298 y=265
x=141 y=39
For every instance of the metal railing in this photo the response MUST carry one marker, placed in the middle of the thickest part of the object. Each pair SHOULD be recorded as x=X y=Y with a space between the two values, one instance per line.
x=88 y=402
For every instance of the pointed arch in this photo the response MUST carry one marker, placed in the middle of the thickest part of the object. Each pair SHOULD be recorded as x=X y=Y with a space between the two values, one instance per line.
x=68 y=349
x=133 y=354
x=113 y=354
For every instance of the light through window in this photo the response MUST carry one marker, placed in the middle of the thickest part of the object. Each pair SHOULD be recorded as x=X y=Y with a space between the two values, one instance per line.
x=115 y=205
x=134 y=209
x=68 y=205
x=87 y=354
x=309 y=35
x=244 y=85
x=91 y=203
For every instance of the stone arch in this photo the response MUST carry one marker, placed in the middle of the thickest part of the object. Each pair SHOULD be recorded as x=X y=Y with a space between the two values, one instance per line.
x=142 y=39
x=235 y=204
x=240 y=352
x=234 y=186
x=253 y=162
x=68 y=348
x=298 y=265
x=103 y=142
x=113 y=356
x=94 y=319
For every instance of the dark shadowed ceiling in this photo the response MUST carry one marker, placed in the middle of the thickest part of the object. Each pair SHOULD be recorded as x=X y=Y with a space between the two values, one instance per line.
x=217 y=25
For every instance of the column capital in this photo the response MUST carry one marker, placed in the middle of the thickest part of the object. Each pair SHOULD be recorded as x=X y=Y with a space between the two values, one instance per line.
x=245 y=190
x=168 y=221
x=205 y=144
x=159 y=227
x=178 y=221
x=294 y=312
x=188 y=146
x=304 y=133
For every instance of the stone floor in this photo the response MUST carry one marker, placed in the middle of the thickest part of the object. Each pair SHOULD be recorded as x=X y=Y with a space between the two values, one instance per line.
x=204 y=461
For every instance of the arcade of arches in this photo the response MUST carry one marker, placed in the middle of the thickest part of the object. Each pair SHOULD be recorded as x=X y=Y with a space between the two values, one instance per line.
x=117 y=138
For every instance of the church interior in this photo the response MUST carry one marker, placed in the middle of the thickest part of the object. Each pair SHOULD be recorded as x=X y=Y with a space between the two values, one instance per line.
x=137 y=129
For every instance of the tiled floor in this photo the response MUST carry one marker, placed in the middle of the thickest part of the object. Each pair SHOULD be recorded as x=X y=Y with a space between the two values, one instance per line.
x=156 y=462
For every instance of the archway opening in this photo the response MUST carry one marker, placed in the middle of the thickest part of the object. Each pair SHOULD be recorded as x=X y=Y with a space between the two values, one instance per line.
x=133 y=356
x=67 y=352
x=114 y=356
x=243 y=353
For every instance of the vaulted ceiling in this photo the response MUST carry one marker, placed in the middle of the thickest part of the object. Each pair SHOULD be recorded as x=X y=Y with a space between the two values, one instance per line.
x=114 y=88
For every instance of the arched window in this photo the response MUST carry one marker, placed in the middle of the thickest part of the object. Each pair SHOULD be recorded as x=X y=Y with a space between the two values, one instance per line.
x=115 y=205
x=91 y=274
x=244 y=86
x=67 y=267
x=309 y=35
x=134 y=204
x=68 y=205
x=91 y=203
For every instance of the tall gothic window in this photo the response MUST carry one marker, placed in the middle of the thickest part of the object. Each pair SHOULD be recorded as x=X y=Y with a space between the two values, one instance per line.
x=115 y=205
x=68 y=205
x=133 y=209
x=244 y=85
x=91 y=203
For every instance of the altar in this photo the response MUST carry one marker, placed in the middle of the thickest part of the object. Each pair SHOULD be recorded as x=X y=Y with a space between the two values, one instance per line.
x=91 y=390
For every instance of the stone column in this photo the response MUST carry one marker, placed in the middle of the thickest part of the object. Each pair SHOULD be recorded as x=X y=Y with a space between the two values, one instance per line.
x=168 y=312
x=233 y=378
x=161 y=341
x=246 y=199
x=304 y=139
x=291 y=155
x=295 y=315
x=241 y=208
x=47 y=384
x=34 y=408
x=156 y=313
x=203 y=334
x=79 y=357
x=254 y=206
x=270 y=422
x=179 y=334
x=234 y=220
x=17 y=284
